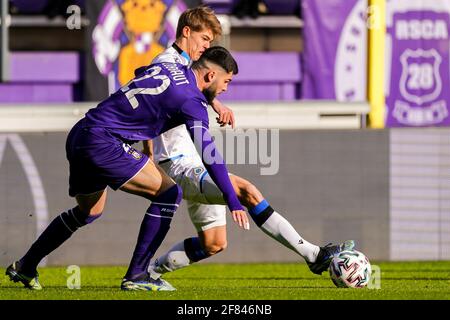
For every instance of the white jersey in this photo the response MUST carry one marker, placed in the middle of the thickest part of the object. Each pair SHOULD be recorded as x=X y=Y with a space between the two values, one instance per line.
x=175 y=143
x=187 y=168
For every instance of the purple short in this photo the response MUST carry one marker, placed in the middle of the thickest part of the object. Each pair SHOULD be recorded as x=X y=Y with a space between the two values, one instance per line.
x=98 y=159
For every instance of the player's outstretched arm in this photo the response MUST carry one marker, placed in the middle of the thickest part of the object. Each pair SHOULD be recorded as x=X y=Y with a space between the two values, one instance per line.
x=226 y=115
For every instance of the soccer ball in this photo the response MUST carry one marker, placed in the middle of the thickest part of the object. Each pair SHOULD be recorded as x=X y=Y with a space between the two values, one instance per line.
x=350 y=269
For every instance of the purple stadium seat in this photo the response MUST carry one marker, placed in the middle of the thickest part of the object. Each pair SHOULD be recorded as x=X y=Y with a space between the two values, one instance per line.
x=220 y=6
x=283 y=7
x=80 y=3
x=41 y=77
x=27 y=6
x=38 y=6
x=44 y=67
x=275 y=7
x=273 y=76
x=35 y=92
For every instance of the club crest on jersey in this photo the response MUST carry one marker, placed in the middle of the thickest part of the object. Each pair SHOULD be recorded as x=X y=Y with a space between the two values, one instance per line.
x=198 y=171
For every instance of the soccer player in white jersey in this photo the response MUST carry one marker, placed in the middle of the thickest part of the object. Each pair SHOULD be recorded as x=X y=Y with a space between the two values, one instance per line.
x=176 y=154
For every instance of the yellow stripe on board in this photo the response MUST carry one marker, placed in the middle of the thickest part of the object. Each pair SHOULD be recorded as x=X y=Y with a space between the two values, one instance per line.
x=376 y=64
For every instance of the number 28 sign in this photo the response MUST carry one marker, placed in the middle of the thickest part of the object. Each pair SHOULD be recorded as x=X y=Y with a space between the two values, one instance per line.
x=418 y=49
x=420 y=81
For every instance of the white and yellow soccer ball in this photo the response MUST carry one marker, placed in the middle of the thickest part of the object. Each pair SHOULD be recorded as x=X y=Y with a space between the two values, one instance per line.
x=350 y=269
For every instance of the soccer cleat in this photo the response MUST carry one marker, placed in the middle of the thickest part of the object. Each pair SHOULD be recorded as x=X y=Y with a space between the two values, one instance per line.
x=13 y=271
x=147 y=284
x=326 y=254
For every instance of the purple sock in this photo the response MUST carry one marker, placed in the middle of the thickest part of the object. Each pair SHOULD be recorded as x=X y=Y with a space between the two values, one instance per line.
x=194 y=249
x=153 y=230
x=57 y=232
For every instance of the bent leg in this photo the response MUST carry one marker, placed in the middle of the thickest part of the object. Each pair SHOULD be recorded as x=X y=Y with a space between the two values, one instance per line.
x=247 y=193
x=266 y=218
x=271 y=222
x=152 y=183
x=189 y=251
x=149 y=182
x=61 y=228
x=210 y=223
x=213 y=240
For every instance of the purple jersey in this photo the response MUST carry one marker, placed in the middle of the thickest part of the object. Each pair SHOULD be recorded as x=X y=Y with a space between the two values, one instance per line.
x=160 y=97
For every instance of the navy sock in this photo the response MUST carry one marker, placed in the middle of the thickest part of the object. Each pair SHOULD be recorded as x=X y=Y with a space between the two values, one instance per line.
x=261 y=212
x=153 y=230
x=194 y=250
x=57 y=232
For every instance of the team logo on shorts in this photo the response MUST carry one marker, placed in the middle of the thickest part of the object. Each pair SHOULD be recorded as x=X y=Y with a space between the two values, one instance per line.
x=131 y=151
x=198 y=171
x=135 y=154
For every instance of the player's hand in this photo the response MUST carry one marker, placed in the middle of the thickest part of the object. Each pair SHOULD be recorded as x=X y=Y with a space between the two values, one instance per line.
x=240 y=217
x=226 y=115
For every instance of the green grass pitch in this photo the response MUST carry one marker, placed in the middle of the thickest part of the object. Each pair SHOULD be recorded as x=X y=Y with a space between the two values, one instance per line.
x=286 y=281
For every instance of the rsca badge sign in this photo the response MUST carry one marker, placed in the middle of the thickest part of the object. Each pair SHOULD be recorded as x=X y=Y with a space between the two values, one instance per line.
x=418 y=63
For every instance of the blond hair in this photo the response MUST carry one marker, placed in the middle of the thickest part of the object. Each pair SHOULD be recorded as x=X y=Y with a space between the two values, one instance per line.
x=198 y=19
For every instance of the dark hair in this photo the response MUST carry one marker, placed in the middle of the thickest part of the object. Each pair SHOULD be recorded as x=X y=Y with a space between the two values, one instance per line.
x=198 y=19
x=219 y=56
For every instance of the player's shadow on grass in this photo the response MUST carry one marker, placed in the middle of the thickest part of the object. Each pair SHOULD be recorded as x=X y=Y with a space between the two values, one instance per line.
x=415 y=271
x=415 y=278
x=256 y=287
x=59 y=287
x=244 y=278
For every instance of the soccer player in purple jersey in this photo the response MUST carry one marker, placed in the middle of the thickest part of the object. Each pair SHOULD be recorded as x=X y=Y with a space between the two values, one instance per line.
x=178 y=157
x=98 y=147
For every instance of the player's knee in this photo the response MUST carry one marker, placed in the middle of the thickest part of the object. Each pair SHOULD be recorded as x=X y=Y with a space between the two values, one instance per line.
x=76 y=218
x=92 y=217
x=215 y=247
x=174 y=194
x=86 y=216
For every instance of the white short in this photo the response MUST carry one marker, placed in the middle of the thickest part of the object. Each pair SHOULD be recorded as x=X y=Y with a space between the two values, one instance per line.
x=206 y=205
